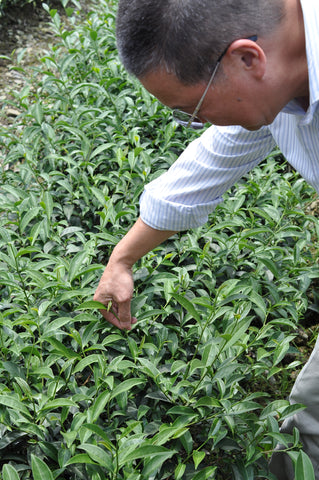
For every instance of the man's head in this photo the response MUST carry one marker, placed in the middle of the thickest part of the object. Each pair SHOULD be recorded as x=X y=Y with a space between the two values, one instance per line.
x=173 y=47
x=186 y=37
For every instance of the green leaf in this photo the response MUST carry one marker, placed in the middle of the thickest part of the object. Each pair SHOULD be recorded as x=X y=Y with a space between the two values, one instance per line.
x=80 y=458
x=28 y=217
x=11 y=438
x=179 y=410
x=303 y=468
x=101 y=433
x=258 y=301
x=273 y=408
x=48 y=204
x=62 y=349
x=244 y=406
x=154 y=464
x=281 y=350
x=198 y=457
x=205 y=474
x=291 y=410
x=166 y=433
x=91 y=304
x=98 y=406
x=99 y=195
x=85 y=362
x=207 y=402
x=272 y=267
x=9 y=472
x=189 y=307
x=280 y=438
x=58 y=403
x=100 y=456
x=179 y=471
x=126 y=385
x=76 y=265
x=14 y=404
x=148 y=451
x=149 y=368
x=40 y=470
x=37 y=112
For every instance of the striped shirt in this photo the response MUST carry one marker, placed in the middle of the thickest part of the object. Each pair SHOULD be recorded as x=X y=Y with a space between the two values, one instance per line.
x=188 y=192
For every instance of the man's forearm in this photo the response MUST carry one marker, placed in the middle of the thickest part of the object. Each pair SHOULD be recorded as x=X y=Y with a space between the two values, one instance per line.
x=139 y=240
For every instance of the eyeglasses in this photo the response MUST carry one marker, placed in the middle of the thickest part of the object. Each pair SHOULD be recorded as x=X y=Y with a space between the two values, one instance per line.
x=190 y=120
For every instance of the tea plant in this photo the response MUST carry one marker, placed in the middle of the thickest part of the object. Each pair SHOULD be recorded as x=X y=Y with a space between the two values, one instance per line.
x=197 y=389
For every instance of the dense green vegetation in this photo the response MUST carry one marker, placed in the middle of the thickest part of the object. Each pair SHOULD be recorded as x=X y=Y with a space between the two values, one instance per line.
x=198 y=388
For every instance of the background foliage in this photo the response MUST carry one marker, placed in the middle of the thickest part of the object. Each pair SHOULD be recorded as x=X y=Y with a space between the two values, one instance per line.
x=197 y=390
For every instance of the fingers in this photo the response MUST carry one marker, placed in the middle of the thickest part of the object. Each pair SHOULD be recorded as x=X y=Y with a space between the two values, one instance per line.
x=118 y=315
x=116 y=288
x=124 y=314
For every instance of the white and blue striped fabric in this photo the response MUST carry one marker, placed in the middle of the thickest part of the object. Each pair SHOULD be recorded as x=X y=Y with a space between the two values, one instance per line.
x=183 y=197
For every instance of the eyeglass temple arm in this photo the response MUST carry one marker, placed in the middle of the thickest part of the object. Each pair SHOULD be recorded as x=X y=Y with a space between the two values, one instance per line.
x=254 y=38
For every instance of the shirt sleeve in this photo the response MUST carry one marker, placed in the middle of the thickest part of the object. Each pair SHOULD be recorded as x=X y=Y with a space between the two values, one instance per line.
x=184 y=196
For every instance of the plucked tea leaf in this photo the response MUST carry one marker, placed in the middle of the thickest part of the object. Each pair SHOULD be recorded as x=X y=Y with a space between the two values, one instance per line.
x=91 y=304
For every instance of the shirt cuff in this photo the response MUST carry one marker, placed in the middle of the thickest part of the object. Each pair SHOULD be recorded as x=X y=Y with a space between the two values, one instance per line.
x=163 y=214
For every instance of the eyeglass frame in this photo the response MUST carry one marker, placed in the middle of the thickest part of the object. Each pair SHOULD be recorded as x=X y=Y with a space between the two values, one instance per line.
x=199 y=125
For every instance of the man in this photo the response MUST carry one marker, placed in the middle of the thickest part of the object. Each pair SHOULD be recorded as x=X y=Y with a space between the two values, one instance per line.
x=251 y=69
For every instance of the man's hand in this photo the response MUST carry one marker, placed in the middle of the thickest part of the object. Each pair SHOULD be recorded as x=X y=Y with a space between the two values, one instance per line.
x=115 y=291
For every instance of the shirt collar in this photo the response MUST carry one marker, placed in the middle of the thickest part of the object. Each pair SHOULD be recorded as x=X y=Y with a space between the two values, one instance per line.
x=310 y=12
x=311 y=21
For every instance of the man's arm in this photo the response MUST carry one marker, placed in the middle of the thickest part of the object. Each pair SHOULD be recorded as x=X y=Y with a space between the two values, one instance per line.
x=116 y=284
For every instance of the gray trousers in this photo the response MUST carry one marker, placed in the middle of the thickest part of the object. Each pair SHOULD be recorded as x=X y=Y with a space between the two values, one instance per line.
x=305 y=391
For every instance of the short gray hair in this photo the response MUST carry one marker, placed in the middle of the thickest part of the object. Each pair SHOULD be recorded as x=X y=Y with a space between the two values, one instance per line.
x=186 y=37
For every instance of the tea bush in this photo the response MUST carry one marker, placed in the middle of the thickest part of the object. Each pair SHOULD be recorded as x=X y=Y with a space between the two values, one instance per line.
x=197 y=389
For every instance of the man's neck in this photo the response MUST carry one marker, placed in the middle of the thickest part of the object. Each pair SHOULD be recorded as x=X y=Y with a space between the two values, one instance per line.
x=303 y=102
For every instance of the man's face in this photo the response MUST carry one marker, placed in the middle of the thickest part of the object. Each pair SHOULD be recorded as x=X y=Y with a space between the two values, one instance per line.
x=232 y=100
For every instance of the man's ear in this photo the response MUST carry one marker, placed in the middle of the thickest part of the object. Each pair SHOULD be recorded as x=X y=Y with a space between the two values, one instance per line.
x=250 y=54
